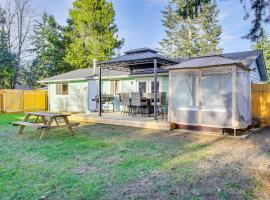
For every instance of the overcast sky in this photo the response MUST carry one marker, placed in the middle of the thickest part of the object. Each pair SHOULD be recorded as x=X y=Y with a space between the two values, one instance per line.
x=139 y=21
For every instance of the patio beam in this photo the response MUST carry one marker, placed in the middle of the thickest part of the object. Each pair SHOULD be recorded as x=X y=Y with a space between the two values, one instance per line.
x=155 y=89
x=100 y=90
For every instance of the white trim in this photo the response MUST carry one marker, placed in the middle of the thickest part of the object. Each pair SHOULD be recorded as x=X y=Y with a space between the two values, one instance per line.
x=104 y=77
x=132 y=76
x=64 y=80
x=62 y=95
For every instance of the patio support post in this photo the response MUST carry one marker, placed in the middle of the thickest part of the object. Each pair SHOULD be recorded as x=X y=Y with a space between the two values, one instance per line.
x=99 y=93
x=155 y=89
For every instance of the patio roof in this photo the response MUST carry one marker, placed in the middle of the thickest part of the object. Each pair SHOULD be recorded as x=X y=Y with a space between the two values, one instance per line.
x=137 y=57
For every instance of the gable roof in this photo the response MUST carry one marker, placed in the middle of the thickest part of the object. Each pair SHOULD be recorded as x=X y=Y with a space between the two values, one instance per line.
x=79 y=74
x=243 y=58
x=82 y=74
x=246 y=57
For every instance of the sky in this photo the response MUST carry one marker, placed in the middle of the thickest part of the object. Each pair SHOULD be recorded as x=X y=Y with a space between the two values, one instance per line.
x=139 y=22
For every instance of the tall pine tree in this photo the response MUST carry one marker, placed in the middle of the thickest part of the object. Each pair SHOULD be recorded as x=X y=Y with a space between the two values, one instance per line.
x=49 y=46
x=186 y=37
x=93 y=33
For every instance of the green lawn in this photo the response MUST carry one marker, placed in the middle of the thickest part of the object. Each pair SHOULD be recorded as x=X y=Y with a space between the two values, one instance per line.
x=101 y=161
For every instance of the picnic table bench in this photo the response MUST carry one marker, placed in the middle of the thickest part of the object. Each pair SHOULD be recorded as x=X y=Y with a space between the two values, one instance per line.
x=47 y=120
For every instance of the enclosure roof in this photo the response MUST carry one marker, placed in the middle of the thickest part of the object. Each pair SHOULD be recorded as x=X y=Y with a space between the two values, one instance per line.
x=246 y=58
x=204 y=62
x=141 y=56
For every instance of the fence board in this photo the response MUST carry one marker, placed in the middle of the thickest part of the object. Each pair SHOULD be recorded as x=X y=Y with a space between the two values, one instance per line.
x=1 y=102
x=23 y=100
x=261 y=103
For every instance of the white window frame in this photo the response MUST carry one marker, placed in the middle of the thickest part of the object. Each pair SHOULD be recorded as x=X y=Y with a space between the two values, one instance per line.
x=62 y=89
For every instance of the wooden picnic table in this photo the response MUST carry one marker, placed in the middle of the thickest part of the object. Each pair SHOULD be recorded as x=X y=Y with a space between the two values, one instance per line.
x=47 y=120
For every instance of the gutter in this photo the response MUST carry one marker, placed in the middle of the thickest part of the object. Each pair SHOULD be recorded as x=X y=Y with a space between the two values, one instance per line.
x=63 y=80
x=104 y=77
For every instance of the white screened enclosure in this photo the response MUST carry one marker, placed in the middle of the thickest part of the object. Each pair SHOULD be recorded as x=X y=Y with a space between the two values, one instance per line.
x=214 y=97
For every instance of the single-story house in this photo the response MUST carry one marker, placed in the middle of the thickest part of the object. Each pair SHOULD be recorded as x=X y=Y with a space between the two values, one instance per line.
x=212 y=90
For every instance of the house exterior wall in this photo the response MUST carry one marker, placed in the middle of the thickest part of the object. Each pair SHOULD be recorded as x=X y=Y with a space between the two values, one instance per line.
x=58 y=103
x=75 y=101
x=254 y=73
x=130 y=84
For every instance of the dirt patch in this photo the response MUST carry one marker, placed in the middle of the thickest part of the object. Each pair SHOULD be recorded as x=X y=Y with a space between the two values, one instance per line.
x=84 y=169
x=233 y=169
x=145 y=188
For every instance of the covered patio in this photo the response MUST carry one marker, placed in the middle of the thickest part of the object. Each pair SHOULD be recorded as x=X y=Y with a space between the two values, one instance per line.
x=139 y=62
x=142 y=95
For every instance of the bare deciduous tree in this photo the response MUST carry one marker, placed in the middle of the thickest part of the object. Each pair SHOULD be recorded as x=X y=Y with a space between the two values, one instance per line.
x=20 y=20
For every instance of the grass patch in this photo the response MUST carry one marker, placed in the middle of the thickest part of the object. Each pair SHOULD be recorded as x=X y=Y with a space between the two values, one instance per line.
x=98 y=162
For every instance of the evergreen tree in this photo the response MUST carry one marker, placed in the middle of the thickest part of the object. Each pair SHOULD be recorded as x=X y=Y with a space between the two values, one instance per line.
x=210 y=29
x=259 y=8
x=264 y=44
x=94 y=33
x=7 y=59
x=186 y=37
x=49 y=47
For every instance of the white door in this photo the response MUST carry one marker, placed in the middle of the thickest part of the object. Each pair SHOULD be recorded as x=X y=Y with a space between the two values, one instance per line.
x=92 y=93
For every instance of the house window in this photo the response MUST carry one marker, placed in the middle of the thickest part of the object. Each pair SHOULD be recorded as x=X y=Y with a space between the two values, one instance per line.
x=62 y=89
x=114 y=87
x=152 y=87
x=142 y=88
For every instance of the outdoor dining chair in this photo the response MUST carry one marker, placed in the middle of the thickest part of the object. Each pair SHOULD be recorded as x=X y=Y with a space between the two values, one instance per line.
x=162 y=107
x=125 y=103
x=137 y=104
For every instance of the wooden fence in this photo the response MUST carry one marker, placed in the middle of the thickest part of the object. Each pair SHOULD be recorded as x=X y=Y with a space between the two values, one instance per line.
x=23 y=100
x=261 y=103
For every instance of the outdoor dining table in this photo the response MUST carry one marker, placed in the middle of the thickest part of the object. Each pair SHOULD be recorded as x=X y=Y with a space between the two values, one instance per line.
x=149 y=107
x=47 y=120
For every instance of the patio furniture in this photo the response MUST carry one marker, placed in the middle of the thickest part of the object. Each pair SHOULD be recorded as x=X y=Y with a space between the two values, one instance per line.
x=47 y=120
x=125 y=103
x=137 y=103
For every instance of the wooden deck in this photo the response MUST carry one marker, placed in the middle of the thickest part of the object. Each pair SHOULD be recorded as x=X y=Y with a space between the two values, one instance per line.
x=117 y=119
